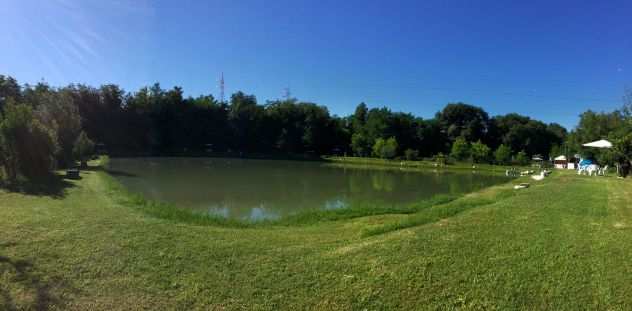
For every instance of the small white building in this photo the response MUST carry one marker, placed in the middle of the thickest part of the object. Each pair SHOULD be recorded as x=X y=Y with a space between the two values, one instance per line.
x=561 y=162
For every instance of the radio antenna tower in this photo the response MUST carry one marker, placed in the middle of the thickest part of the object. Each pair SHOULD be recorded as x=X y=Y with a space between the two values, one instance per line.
x=221 y=88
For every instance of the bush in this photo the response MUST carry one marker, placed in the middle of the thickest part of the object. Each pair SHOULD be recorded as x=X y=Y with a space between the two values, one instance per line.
x=621 y=154
x=460 y=149
x=385 y=149
x=522 y=158
x=503 y=154
x=480 y=152
x=411 y=154
x=359 y=144
x=83 y=149
x=440 y=159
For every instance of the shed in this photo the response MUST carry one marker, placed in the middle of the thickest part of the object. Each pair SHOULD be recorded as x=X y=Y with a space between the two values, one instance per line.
x=560 y=162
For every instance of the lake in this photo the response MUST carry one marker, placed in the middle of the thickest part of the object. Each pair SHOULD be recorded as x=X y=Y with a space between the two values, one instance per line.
x=269 y=189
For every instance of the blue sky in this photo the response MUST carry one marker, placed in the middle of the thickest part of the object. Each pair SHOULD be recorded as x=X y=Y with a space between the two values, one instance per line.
x=550 y=60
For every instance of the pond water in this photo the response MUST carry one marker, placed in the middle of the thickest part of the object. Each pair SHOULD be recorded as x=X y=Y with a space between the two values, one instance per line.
x=260 y=189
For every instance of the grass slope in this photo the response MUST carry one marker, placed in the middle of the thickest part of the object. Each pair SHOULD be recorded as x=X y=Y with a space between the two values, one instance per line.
x=563 y=244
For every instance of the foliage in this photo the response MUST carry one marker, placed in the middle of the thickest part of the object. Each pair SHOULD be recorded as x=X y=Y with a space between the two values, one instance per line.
x=411 y=154
x=522 y=133
x=462 y=120
x=622 y=149
x=359 y=144
x=557 y=150
x=84 y=147
x=480 y=152
x=27 y=147
x=522 y=158
x=440 y=159
x=460 y=149
x=9 y=89
x=158 y=121
x=58 y=113
x=502 y=155
x=385 y=148
x=594 y=126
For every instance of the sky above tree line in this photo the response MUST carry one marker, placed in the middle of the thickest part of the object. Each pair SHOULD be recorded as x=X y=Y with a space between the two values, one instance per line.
x=550 y=61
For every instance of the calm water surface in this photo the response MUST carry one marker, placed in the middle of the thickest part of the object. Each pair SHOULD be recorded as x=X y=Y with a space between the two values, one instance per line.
x=259 y=189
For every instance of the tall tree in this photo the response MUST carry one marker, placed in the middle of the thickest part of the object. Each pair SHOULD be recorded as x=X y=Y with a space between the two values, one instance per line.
x=27 y=147
x=462 y=120
x=56 y=110
x=245 y=117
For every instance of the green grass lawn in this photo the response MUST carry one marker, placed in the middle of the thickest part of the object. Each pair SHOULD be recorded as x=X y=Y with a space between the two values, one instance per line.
x=563 y=244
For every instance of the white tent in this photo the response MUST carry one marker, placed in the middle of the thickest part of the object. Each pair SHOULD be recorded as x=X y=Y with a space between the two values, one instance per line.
x=560 y=158
x=602 y=143
x=599 y=144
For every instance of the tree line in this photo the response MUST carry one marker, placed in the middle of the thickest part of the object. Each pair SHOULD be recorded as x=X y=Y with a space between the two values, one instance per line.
x=44 y=127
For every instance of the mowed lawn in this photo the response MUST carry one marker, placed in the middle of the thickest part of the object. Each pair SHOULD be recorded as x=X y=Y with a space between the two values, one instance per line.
x=563 y=244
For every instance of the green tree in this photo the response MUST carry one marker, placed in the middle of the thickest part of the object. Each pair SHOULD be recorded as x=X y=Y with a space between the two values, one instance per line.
x=9 y=89
x=460 y=149
x=411 y=154
x=556 y=150
x=462 y=120
x=359 y=144
x=27 y=147
x=502 y=154
x=522 y=158
x=391 y=148
x=621 y=152
x=57 y=111
x=385 y=148
x=359 y=117
x=522 y=133
x=83 y=149
x=246 y=119
x=480 y=152
x=378 y=146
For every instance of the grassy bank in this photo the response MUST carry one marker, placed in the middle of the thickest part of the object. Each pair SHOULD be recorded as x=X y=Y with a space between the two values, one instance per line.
x=563 y=244
x=418 y=164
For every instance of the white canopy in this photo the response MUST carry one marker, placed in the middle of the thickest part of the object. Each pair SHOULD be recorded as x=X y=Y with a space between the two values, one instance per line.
x=560 y=158
x=599 y=144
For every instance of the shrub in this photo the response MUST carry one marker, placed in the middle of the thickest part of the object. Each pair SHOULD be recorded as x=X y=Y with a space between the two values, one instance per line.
x=480 y=152
x=460 y=149
x=440 y=159
x=385 y=149
x=411 y=154
x=503 y=154
x=522 y=158
x=83 y=148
